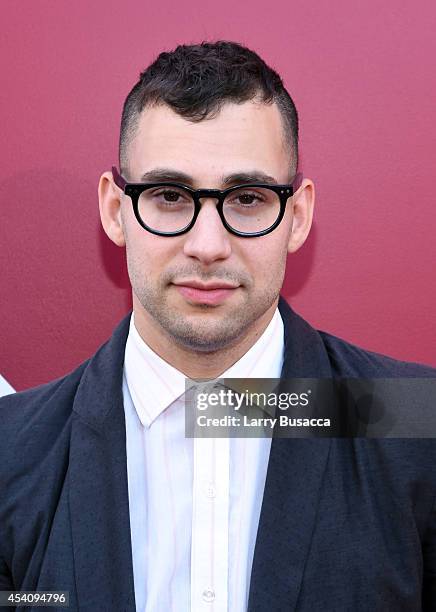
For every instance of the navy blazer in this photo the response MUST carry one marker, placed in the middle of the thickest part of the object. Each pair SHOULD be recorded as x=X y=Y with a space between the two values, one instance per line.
x=345 y=525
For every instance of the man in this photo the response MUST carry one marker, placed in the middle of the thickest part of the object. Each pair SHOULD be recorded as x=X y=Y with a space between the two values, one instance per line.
x=103 y=495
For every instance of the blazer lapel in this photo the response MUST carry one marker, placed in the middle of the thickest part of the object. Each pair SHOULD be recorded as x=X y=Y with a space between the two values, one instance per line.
x=98 y=491
x=295 y=471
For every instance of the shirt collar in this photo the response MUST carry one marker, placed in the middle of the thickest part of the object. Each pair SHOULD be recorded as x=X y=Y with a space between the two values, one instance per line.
x=154 y=384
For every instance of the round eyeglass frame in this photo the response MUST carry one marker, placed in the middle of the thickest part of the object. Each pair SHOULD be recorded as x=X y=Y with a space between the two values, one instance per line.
x=134 y=190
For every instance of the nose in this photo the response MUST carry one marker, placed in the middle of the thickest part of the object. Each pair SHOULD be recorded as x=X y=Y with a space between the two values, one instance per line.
x=208 y=240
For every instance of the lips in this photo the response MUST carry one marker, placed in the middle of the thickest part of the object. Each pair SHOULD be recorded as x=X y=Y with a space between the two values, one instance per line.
x=211 y=294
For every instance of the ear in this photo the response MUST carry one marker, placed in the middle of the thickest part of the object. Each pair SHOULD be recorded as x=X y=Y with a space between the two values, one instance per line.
x=303 y=202
x=109 y=203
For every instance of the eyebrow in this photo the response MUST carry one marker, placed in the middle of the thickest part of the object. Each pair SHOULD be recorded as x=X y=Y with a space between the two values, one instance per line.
x=238 y=178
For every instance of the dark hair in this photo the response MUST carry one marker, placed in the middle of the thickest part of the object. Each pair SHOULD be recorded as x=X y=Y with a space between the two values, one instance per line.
x=196 y=80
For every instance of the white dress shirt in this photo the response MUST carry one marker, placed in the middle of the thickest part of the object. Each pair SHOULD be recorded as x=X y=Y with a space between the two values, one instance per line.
x=5 y=387
x=194 y=503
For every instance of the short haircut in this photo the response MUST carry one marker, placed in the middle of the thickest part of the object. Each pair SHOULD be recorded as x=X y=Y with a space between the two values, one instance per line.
x=196 y=80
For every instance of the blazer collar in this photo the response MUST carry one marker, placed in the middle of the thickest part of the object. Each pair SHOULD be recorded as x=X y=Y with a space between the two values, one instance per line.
x=305 y=354
x=293 y=482
x=99 y=490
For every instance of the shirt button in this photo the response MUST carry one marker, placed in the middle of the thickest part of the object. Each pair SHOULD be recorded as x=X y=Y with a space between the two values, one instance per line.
x=210 y=491
x=208 y=595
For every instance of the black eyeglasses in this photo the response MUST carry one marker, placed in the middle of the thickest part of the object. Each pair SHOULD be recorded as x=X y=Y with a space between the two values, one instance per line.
x=171 y=209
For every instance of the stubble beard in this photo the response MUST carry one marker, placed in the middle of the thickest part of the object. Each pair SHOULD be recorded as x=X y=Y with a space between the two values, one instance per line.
x=206 y=331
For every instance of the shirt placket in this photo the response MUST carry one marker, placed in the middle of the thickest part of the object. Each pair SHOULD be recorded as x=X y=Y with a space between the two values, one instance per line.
x=210 y=526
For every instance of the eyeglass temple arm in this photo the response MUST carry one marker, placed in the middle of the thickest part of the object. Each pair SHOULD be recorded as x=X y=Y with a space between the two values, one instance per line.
x=118 y=179
x=296 y=183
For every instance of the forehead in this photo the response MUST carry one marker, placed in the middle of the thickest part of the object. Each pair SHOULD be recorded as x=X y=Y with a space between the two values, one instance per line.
x=241 y=137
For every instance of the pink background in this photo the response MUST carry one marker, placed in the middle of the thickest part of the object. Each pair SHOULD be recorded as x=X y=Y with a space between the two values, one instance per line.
x=362 y=77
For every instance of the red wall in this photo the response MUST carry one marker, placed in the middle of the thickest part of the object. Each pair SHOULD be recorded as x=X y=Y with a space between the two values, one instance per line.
x=362 y=77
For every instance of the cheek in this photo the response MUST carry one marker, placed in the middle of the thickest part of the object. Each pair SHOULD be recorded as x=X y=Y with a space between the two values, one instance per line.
x=267 y=258
x=149 y=255
x=267 y=271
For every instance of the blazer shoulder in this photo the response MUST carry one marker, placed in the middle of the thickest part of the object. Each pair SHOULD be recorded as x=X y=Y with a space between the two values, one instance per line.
x=351 y=360
x=41 y=404
x=46 y=408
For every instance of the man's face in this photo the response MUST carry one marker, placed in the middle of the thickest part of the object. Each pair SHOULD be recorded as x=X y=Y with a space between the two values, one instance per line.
x=163 y=270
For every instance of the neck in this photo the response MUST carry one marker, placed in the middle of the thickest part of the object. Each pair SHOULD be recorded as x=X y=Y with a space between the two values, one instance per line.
x=198 y=364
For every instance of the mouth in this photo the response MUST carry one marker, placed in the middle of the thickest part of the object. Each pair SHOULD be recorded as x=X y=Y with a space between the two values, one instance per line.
x=211 y=294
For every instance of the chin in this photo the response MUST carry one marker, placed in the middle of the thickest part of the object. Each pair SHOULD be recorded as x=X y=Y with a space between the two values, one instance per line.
x=203 y=332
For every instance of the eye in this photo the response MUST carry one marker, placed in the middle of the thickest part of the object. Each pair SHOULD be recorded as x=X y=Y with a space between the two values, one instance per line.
x=246 y=198
x=169 y=195
x=166 y=196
